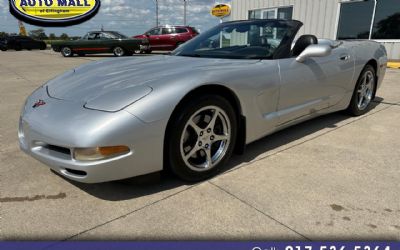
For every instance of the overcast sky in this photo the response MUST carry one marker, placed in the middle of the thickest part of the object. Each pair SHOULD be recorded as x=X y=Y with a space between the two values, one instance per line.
x=128 y=16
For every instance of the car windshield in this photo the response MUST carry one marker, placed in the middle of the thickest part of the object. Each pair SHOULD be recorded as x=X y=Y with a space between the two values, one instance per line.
x=255 y=39
x=116 y=35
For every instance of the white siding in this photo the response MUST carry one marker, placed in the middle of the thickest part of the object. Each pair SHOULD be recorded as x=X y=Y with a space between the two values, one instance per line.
x=393 y=49
x=320 y=17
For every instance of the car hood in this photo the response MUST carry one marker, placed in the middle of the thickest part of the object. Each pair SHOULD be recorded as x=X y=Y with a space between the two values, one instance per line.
x=111 y=85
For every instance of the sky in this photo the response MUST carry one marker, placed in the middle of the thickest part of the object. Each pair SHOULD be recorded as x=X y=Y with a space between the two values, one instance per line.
x=130 y=17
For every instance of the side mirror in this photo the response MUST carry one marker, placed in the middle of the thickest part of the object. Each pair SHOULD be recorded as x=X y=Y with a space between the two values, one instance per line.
x=314 y=50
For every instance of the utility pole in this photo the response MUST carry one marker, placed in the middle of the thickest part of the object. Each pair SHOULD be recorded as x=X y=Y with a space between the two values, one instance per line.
x=184 y=12
x=156 y=13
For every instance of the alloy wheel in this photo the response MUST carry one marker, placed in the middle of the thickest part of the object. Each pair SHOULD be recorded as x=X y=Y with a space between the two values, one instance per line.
x=365 y=90
x=205 y=139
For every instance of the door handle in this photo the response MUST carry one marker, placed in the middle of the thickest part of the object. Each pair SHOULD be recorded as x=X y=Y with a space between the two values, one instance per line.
x=345 y=57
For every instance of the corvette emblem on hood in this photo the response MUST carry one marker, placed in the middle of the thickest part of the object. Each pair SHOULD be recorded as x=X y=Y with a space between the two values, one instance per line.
x=38 y=104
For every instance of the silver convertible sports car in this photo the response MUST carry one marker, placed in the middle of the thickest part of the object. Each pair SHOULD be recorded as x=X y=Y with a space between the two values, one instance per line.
x=191 y=110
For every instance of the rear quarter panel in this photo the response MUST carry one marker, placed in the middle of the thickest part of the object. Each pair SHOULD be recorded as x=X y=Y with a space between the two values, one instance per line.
x=365 y=51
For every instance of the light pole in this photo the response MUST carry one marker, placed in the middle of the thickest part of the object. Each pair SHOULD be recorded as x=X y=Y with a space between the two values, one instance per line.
x=184 y=12
x=156 y=1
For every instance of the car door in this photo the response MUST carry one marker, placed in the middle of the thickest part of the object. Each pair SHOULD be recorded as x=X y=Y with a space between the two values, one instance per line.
x=168 y=39
x=34 y=44
x=91 y=44
x=314 y=85
x=26 y=43
x=107 y=42
x=23 y=42
x=154 y=38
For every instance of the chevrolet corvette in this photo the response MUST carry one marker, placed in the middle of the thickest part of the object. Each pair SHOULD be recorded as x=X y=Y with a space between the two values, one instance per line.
x=191 y=110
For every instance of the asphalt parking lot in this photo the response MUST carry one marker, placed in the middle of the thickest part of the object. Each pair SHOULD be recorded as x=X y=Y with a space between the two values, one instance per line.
x=334 y=177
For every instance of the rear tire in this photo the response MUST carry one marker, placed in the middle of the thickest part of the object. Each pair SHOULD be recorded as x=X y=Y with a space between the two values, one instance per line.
x=201 y=138
x=148 y=51
x=119 y=51
x=364 y=92
x=67 y=52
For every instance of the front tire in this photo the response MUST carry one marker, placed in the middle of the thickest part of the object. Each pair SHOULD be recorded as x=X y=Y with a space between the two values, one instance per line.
x=118 y=51
x=66 y=52
x=201 y=138
x=364 y=92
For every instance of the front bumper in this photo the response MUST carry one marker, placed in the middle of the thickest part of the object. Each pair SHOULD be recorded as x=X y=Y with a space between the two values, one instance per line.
x=50 y=133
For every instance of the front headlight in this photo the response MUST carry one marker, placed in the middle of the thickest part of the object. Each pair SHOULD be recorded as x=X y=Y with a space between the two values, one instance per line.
x=99 y=153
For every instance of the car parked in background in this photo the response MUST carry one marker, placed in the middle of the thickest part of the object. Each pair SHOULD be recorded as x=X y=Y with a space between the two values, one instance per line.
x=168 y=37
x=20 y=43
x=97 y=42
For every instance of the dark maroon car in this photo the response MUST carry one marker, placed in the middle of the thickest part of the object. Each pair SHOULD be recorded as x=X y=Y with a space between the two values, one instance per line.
x=168 y=37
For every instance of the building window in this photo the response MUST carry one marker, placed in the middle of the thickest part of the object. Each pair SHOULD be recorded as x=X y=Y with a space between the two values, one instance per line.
x=387 y=20
x=355 y=20
x=358 y=20
x=273 y=13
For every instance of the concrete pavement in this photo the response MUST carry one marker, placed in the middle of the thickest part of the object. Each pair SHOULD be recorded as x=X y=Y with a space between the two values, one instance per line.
x=334 y=177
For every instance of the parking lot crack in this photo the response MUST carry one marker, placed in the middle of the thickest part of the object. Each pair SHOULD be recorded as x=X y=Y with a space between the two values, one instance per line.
x=258 y=210
x=125 y=215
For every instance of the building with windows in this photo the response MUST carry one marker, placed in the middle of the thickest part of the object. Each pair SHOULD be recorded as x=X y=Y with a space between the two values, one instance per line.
x=377 y=20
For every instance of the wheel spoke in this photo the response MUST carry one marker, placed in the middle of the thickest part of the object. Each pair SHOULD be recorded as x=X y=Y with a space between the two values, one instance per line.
x=192 y=151
x=364 y=81
x=214 y=117
x=195 y=127
x=360 y=102
x=208 y=157
x=220 y=138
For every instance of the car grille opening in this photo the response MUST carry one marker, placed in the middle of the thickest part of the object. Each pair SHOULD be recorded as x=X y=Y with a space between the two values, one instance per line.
x=58 y=149
x=76 y=172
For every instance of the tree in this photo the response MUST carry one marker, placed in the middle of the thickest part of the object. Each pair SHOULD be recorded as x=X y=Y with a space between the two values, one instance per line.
x=52 y=36
x=64 y=36
x=388 y=28
x=3 y=34
x=38 y=34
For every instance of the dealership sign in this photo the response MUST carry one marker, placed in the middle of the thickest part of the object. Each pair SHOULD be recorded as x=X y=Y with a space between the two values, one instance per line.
x=221 y=10
x=54 y=12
